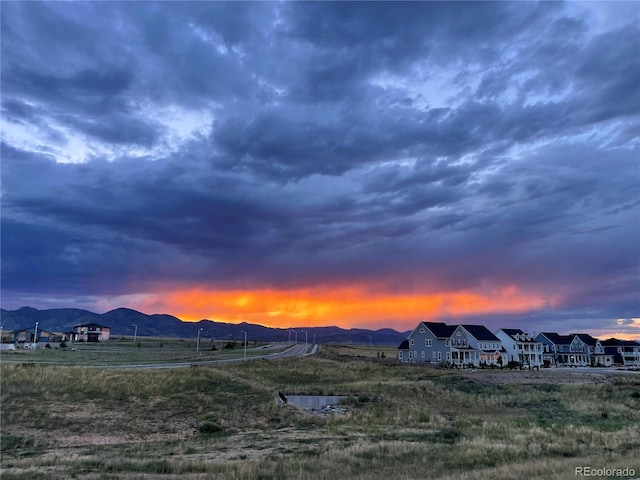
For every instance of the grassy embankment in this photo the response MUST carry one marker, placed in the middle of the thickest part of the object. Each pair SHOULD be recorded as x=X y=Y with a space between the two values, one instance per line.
x=224 y=421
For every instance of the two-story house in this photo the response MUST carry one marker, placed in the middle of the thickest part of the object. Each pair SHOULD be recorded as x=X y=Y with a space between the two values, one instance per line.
x=597 y=356
x=428 y=343
x=91 y=332
x=624 y=352
x=521 y=347
x=569 y=350
x=474 y=344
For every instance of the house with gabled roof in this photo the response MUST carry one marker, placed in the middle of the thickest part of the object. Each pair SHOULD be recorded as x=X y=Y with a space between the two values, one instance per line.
x=404 y=352
x=597 y=355
x=624 y=352
x=550 y=342
x=428 y=343
x=568 y=350
x=474 y=344
x=520 y=347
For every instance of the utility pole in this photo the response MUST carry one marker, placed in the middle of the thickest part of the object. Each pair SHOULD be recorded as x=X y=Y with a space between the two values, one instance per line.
x=245 y=344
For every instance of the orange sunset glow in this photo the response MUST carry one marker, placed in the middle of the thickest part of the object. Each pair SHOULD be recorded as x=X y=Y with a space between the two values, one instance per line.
x=346 y=307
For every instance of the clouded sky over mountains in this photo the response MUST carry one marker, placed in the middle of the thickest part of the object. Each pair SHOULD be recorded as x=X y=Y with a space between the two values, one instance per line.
x=359 y=164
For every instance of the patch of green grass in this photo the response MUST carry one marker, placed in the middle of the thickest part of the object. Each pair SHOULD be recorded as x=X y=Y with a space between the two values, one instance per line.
x=424 y=418
x=15 y=442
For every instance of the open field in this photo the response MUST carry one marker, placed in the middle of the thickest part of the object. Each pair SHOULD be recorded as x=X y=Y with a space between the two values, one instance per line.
x=146 y=350
x=224 y=421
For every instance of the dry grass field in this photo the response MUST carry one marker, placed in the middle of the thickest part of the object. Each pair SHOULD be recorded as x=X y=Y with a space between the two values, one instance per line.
x=224 y=421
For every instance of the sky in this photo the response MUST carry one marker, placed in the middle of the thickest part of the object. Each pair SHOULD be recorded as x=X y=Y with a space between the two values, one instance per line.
x=363 y=164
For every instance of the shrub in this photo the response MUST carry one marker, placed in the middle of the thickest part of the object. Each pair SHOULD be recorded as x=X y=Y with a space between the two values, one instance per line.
x=63 y=345
x=212 y=429
x=424 y=418
x=447 y=435
x=14 y=442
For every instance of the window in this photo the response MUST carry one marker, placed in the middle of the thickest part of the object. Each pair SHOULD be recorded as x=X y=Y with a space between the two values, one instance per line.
x=446 y=343
x=400 y=355
x=458 y=334
x=439 y=356
x=433 y=354
x=422 y=353
x=411 y=342
x=427 y=342
x=448 y=356
x=422 y=330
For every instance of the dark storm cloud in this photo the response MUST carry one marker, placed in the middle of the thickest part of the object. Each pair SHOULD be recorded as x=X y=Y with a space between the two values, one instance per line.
x=353 y=40
x=433 y=145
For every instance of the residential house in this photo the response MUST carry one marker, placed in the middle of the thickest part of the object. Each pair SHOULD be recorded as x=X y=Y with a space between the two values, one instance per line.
x=6 y=336
x=568 y=350
x=474 y=344
x=597 y=356
x=549 y=341
x=23 y=336
x=520 y=347
x=624 y=352
x=26 y=335
x=6 y=340
x=91 y=332
x=428 y=343
x=404 y=352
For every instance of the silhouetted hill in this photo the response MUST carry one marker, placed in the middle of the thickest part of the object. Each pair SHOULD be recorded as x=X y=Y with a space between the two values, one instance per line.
x=122 y=321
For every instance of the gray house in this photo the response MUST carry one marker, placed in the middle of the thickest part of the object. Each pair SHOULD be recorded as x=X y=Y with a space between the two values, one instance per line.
x=403 y=352
x=436 y=342
x=567 y=350
x=598 y=357
x=473 y=345
x=428 y=343
x=623 y=352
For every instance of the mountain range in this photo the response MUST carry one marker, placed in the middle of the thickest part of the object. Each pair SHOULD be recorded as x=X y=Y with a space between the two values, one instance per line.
x=122 y=321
